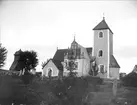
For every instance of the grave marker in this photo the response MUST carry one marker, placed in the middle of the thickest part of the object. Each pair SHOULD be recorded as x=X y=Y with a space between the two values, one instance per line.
x=114 y=88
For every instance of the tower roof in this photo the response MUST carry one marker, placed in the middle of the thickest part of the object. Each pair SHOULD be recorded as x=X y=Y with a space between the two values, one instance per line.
x=18 y=52
x=102 y=25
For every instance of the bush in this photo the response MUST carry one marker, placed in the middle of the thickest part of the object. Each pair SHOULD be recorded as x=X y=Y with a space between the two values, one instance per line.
x=69 y=91
x=27 y=78
x=94 y=80
x=130 y=80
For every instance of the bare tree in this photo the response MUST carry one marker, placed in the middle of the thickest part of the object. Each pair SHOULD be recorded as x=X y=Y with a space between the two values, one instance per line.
x=44 y=64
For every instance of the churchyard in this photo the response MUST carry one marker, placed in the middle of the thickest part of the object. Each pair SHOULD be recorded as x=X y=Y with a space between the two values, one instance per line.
x=69 y=91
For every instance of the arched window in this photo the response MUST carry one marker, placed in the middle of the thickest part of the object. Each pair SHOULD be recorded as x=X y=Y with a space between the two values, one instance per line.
x=101 y=68
x=100 y=53
x=100 y=34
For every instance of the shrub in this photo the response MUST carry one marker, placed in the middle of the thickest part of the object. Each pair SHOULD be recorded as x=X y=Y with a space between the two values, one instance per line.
x=94 y=80
x=130 y=80
x=27 y=78
x=69 y=91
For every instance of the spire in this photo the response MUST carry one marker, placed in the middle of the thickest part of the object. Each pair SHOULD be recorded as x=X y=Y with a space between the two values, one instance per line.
x=74 y=44
x=74 y=41
x=103 y=16
x=20 y=50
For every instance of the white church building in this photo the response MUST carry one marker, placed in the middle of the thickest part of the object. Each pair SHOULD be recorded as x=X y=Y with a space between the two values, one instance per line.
x=102 y=51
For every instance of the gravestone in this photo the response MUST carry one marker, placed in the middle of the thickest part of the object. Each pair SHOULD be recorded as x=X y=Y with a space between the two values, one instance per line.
x=114 y=88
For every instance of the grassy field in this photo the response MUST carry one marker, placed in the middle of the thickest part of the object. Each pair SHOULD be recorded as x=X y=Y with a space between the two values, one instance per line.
x=79 y=92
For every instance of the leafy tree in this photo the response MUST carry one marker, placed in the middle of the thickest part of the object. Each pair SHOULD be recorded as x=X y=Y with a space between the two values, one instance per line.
x=71 y=67
x=70 y=64
x=28 y=60
x=3 y=55
x=94 y=68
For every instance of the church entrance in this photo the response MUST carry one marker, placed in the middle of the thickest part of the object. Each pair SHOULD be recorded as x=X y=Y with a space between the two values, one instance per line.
x=50 y=72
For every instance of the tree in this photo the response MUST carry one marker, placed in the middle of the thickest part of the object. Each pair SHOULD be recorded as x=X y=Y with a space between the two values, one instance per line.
x=94 y=69
x=28 y=60
x=44 y=64
x=3 y=55
x=71 y=67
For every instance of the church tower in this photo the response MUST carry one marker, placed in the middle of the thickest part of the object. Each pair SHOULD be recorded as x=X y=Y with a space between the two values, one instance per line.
x=103 y=49
x=15 y=65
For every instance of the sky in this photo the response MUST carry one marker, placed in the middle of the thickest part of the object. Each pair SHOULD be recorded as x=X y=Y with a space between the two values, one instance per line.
x=43 y=26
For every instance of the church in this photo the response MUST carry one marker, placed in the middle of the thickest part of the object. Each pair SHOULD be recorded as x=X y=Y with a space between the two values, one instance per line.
x=101 y=53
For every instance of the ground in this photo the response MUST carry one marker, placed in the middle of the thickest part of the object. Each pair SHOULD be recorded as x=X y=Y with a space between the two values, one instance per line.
x=79 y=92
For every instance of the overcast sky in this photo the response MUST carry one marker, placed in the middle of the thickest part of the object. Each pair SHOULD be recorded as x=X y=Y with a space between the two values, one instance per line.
x=43 y=26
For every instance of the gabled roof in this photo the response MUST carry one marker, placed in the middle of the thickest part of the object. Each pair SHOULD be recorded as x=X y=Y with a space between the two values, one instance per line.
x=113 y=62
x=135 y=69
x=57 y=63
x=102 y=25
x=59 y=55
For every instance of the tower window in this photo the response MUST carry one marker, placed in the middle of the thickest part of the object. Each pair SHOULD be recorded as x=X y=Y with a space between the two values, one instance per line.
x=100 y=34
x=100 y=53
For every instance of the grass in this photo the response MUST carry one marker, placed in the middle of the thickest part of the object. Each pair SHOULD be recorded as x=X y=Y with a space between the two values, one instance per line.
x=12 y=89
